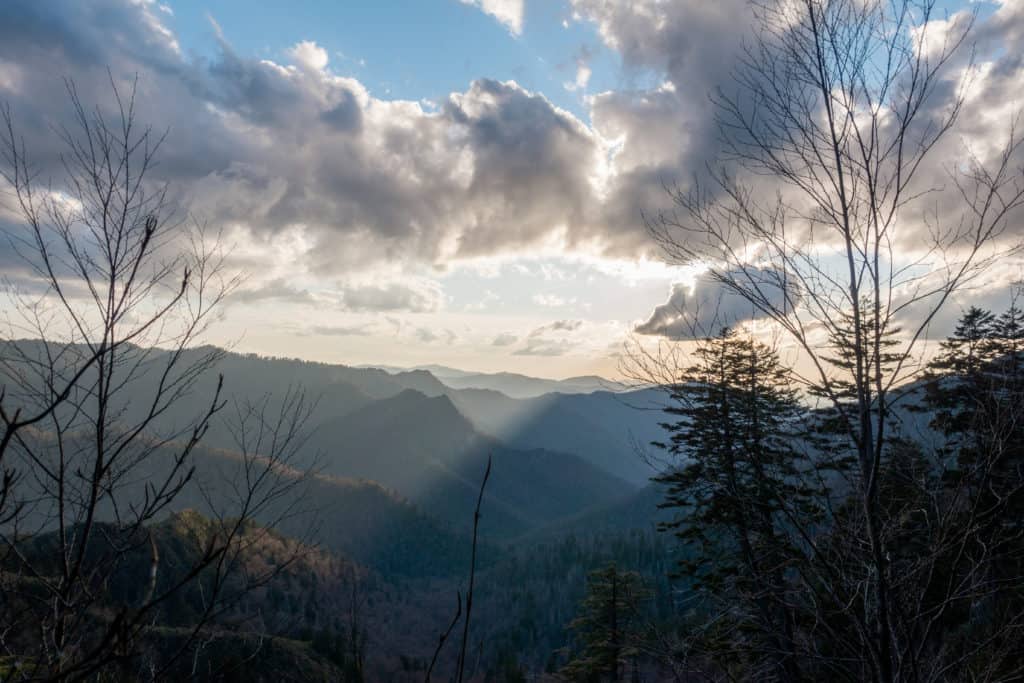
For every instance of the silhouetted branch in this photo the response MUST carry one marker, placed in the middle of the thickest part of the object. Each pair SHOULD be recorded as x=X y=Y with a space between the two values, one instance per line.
x=472 y=575
x=444 y=636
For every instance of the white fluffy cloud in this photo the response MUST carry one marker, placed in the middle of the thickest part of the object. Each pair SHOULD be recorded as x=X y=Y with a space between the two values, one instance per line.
x=271 y=148
x=508 y=12
x=308 y=55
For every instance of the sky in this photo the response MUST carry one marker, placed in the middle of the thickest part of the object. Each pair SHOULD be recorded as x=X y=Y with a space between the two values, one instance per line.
x=460 y=182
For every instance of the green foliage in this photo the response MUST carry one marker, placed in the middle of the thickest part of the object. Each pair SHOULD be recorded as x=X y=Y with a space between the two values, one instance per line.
x=607 y=630
x=739 y=487
x=739 y=473
x=506 y=669
x=873 y=354
x=975 y=390
x=975 y=384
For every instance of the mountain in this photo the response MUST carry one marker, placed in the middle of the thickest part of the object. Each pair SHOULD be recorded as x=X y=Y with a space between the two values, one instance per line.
x=393 y=439
x=637 y=511
x=299 y=625
x=425 y=449
x=377 y=528
x=296 y=625
x=358 y=519
x=602 y=427
x=516 y=385
x=555 y=455
x=361 y=520
x=606 y=429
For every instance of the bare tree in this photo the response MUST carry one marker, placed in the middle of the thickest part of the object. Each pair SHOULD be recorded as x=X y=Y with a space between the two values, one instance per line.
x=817 y=219
x=100 y=365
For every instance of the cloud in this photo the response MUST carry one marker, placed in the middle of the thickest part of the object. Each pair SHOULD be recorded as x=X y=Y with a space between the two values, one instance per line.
x=425 y=335
x=508 y=12
x=308 y=55
x=486 y=301
x=271 y=149
x=545 y=347
x=420 y=297
x=278 y=289
x=563 y=325
x=705 y=307
x=414 y=296
x=552 y=300
x=342 y=330
x=554 y=339
x=583 y=70
x=266 y=148
x=429 y=336
x=505 y=339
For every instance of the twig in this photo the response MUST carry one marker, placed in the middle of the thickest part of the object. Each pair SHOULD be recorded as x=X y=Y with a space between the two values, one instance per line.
x=472 y=572
x=444 y=636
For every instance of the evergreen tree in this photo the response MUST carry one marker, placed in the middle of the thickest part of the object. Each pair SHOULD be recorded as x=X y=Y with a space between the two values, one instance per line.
x=957 y=381
x=879 y=353
x=975 y=389
x=738 y=487
x=1005 y=350
x=607 y=628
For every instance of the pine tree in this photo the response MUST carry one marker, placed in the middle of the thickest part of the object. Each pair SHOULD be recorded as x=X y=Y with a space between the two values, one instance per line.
x=976 y=391
x=1005 y=347
x=957 y=382
x=879 y=352
x=607 y=627
x=738 y=486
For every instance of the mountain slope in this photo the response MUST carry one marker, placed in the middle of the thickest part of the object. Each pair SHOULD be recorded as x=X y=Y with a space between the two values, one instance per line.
x=603 y=428
x=411 y=433
x=519 y=386
x=425 y=449
x=637 y=511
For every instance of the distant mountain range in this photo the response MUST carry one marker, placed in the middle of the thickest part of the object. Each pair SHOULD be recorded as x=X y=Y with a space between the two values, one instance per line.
x=424 y=448
x=512 y=384
x=405 y=450
x=603 y=428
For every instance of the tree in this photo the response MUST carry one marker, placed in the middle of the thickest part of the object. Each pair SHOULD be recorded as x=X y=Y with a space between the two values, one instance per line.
x=606 y=629
x=974 y=391
x=836 y=108
x=99 y=358
x=738 y=482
